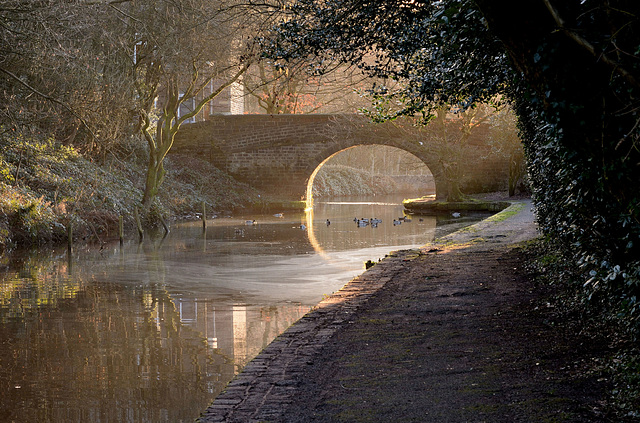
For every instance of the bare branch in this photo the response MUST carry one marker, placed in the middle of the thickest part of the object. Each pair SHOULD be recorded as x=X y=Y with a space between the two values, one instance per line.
x=615 y=66
x=49 y=98
x=214 y=94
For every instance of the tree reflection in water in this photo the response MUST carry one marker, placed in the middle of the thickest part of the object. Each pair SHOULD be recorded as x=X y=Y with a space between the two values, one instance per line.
x=152 y=332
x=77 y=350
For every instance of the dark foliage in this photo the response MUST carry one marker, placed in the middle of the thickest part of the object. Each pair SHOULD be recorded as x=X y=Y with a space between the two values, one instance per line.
x=398 y=41
x=570 y=69
x=579 y=118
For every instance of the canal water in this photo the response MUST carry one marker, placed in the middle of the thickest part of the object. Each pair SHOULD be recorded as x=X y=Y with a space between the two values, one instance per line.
x=153 y=331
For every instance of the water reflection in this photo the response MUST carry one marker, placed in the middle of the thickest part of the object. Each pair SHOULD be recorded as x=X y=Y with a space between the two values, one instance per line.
x=78 y=349
x=152 y=332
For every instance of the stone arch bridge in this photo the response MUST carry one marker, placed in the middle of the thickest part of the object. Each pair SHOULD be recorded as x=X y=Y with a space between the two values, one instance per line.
x=279 y=153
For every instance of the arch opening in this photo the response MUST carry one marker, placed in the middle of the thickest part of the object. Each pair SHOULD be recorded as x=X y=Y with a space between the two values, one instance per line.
x=369 y=170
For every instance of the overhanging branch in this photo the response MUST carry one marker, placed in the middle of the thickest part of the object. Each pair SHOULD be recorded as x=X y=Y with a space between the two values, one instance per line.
x=582 y=42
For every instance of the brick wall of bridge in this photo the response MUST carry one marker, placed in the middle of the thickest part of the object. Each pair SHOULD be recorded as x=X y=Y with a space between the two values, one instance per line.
x=278 y=153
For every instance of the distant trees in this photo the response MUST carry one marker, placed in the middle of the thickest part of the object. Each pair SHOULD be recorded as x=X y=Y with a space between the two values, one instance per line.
x=504 y=141
x=448 y=138
x=381 y=160
x=281 y=88
x=448 y=135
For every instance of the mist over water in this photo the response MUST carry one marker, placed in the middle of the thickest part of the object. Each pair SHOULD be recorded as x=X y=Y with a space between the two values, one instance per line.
x=152 y=332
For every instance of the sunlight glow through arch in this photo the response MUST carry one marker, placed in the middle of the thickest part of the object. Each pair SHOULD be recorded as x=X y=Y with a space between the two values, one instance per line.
x=313 y=240
x=308 y=197
x=309 y=193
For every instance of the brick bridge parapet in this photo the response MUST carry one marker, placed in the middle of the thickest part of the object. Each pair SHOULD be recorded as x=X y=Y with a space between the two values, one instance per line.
x=278 y=153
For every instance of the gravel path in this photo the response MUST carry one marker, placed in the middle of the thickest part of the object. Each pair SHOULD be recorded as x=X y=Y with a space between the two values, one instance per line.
x=452 y=332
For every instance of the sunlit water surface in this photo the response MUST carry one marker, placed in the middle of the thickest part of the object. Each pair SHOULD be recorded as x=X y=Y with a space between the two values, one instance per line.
x=152 y=332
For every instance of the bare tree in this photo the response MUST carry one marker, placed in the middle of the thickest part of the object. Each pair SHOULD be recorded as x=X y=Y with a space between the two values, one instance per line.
x=92 y=72
x=295 y=87
x=61 y=71
x=186 y=53
x=505 y=142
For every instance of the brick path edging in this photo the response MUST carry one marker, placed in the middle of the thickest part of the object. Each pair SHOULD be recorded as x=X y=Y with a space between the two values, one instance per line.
x=267 y=383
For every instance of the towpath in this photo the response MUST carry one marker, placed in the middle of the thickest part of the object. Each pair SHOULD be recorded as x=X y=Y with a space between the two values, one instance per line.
x=455 y=331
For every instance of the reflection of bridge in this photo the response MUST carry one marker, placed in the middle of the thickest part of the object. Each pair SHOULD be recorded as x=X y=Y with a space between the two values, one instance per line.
x=279 y=153
x=238 y=331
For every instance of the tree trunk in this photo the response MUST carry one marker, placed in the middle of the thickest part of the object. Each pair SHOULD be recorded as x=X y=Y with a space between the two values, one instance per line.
x=452 y=176
x=159 y=146
x=169 y=123
x=155 y=176
x=516 y=170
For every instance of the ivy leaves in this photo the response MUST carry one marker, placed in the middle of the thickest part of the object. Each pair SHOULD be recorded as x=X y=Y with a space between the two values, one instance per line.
x=435 y=53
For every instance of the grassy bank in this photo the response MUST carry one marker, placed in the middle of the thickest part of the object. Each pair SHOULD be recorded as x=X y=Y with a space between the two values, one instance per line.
x=427 y=205
x=45 y=187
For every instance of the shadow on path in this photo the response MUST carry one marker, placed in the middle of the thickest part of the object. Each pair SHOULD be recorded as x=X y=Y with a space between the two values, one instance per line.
x=452 y=332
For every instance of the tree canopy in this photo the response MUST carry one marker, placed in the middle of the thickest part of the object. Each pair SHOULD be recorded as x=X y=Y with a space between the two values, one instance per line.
x=441 y=51
x=571 y=72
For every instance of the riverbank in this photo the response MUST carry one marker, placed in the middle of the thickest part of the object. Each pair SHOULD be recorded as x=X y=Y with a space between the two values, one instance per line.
x=457 y=331
x=47 y=188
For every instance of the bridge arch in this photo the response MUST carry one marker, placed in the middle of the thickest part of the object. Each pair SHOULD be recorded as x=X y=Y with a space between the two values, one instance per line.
x=279 y=153
x=331 y=155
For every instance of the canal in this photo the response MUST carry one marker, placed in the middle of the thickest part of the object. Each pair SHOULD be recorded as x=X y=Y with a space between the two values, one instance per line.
x=153 y=331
